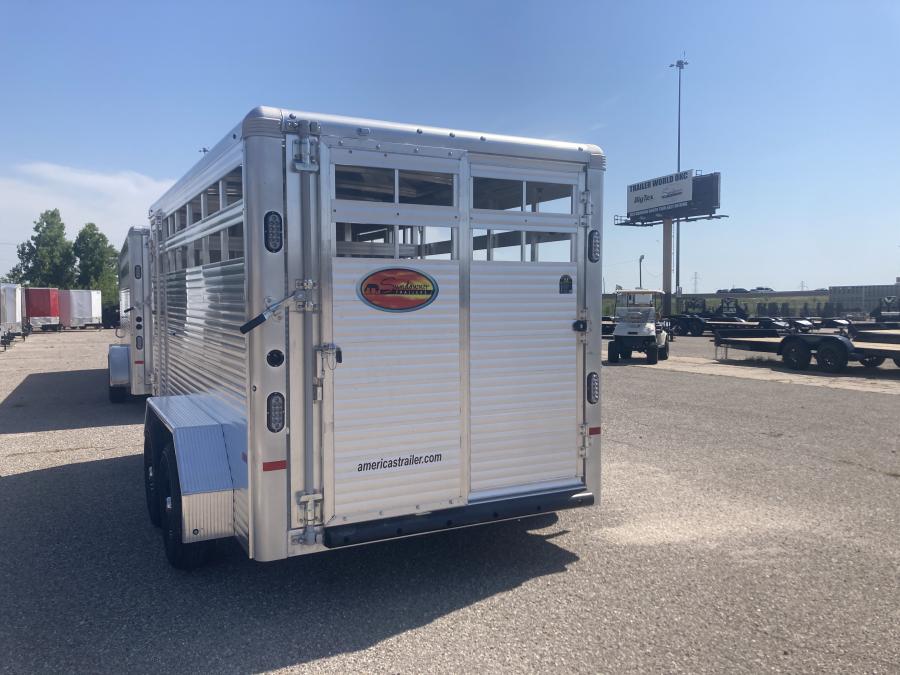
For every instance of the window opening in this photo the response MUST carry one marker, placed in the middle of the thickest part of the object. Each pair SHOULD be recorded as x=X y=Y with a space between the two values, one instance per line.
x=498 y=194
x=548 y=197
x=425 y=187
x=364 y=183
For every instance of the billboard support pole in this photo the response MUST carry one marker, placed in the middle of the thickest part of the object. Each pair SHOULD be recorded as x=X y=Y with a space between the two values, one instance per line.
x=667 y=267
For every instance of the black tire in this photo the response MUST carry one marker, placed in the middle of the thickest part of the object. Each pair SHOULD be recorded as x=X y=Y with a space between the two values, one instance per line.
x=871 y=361
x=796 y=355
x=696 y=328
x=664 y=352
x=831 y=357
x=151 y=487
x=117 y=394
x=652 y=355
x=678 y=328
x=180 y=555
x=625 y=353
x=613 y=352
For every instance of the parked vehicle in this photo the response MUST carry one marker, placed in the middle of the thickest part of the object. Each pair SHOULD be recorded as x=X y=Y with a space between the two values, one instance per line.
x=42 y=308
x=738 y=290
x=130 y=361
x=10 y=314
x=80 y=308
x=697 y=320
x=336 y=306
x=763 y=289
x=637 y=327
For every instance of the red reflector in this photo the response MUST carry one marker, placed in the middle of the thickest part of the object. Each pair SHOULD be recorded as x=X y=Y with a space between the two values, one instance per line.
x=139 y=363
x=275 y=466
x=594 y=431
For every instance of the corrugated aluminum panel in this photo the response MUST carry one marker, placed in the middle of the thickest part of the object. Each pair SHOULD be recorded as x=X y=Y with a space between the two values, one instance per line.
x=205 y=349
x=523 y=374
x=396 y=395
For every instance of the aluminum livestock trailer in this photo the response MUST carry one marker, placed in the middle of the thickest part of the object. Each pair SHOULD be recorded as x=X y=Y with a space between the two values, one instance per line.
x=365 y=330
x=130 y=360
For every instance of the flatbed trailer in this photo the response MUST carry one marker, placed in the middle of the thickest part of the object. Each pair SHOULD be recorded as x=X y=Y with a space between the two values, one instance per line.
x=832 y=351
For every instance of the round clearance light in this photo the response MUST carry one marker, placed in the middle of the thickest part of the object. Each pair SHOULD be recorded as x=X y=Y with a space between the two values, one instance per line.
x=594 y=249
x=274 y=232
x=593 y=388
x=275 y=412
x=275 y=358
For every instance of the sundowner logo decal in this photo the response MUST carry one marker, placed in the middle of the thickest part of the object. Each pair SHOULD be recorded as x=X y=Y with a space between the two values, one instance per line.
x=397 y=289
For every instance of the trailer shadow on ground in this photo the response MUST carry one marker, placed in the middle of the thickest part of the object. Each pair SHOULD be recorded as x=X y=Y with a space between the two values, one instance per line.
x=85 y=581
x=853 y=370
x=68 y=399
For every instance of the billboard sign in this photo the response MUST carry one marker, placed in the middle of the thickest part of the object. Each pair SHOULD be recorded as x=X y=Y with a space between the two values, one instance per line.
x=665 y=193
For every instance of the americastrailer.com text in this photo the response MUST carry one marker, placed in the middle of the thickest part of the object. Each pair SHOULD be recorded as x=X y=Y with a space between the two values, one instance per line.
x=396 y=462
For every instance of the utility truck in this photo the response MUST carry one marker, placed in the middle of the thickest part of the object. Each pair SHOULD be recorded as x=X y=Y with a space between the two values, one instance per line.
x=365 y=330
x=130 y=359
x=638 y=328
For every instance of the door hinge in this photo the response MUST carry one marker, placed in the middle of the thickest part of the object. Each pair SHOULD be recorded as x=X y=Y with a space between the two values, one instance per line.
x=307 y=306
x=305 y=152
x=310 y=507
x=588 y=203
x=585 y=445
x=317 y=389
x=305 y=284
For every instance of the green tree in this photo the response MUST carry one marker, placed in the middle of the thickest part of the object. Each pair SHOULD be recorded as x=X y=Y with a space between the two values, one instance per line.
x=47 y=259
x=97 y=261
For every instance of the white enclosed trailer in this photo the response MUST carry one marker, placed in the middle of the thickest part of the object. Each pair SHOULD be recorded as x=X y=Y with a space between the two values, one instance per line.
x=365 y=330
x=130 y=360
x=10 y=313
x=80 y=308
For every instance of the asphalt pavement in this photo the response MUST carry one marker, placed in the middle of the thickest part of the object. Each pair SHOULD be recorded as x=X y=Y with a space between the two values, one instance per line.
x=744 y=525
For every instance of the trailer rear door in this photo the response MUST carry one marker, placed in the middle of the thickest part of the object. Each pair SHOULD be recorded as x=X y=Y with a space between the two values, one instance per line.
x=451 y=371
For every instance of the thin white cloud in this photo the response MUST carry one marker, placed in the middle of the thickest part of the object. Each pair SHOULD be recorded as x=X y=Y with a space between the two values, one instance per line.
x=114 y=201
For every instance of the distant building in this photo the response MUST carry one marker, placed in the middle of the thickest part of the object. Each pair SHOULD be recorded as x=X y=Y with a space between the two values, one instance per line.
x=863 y=299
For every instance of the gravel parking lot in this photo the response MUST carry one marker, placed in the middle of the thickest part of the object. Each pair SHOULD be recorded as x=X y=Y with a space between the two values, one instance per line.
x=746 y=524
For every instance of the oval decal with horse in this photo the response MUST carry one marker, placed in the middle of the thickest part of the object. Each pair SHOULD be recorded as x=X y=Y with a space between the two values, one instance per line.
x=397 y=289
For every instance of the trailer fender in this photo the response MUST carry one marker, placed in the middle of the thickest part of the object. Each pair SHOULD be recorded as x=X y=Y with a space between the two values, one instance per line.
x=119 y=360
x=204 y=471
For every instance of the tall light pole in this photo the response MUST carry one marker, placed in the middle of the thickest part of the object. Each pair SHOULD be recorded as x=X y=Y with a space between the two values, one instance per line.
x=679 y=64
x=640 y=271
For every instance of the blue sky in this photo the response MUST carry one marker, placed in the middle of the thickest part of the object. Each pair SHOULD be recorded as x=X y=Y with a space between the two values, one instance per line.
x=796 y=103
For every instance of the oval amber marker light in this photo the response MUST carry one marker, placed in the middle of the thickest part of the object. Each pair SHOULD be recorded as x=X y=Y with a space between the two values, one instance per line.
x=593 y=388
x=272 y=226
x=275 y=412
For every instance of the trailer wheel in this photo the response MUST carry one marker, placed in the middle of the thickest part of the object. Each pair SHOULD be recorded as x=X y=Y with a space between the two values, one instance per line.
x=832 y=358
x=678 y=328
x=871 y=361
x=180 y=555
x=625 y=353
x=796 y=355
x=151 y=487
x=652 y=355
x=117 y=394
x=696 y=328
x=613 y=352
